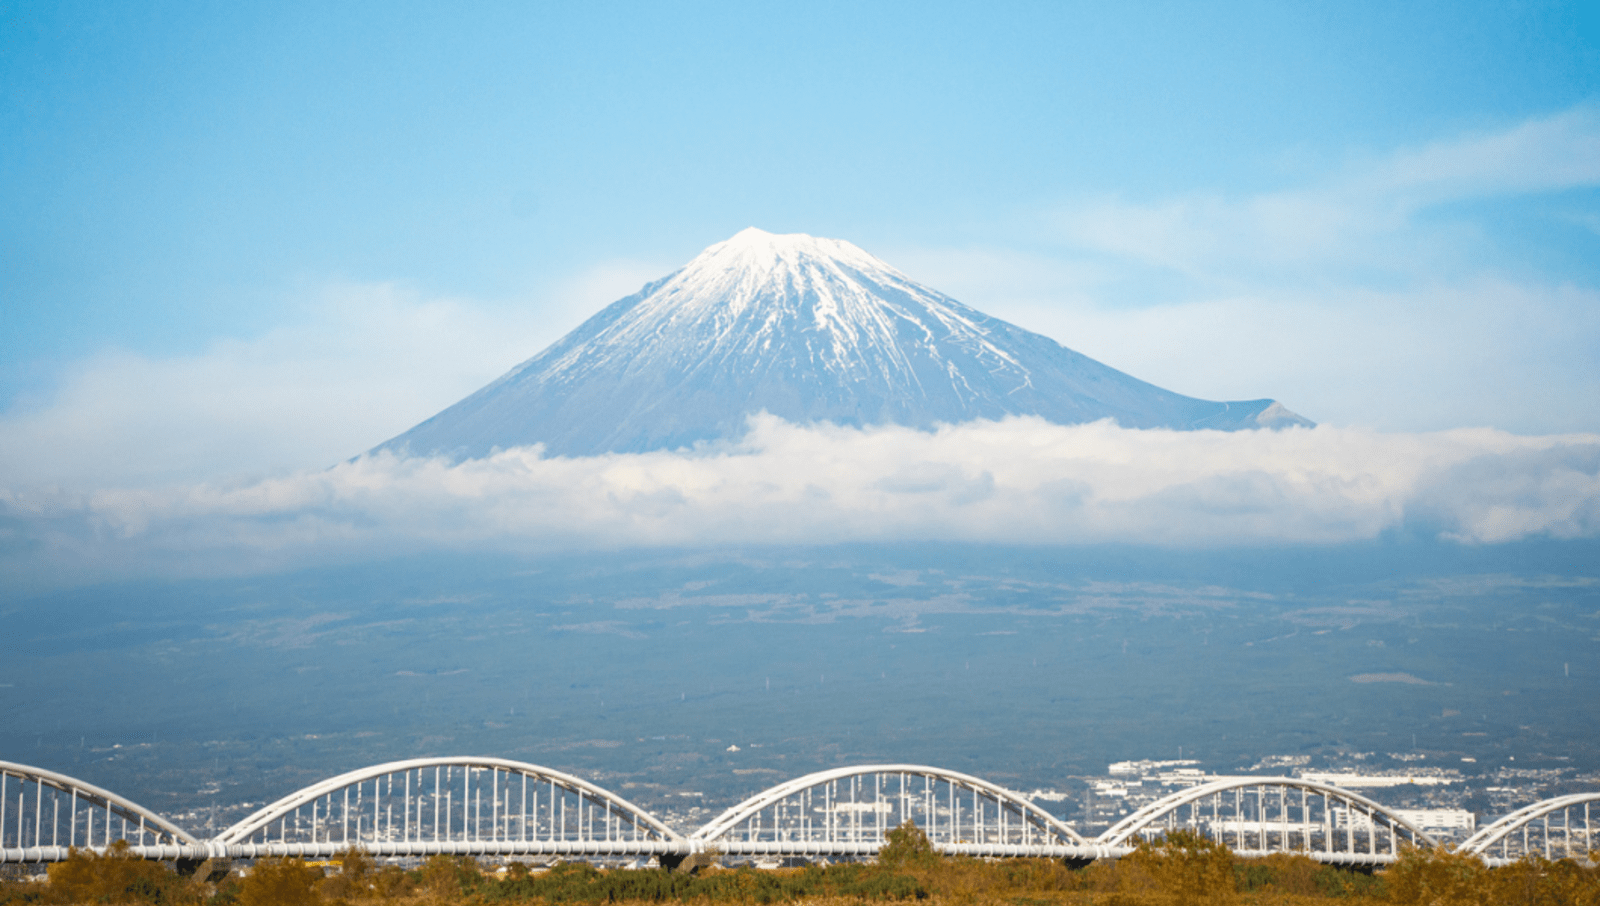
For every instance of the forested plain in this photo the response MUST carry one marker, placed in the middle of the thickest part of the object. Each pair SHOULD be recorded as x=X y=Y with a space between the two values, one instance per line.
x=1025 y=666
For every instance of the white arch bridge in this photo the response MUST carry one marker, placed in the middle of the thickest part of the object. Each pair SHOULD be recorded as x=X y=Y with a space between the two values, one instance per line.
x=498 y=807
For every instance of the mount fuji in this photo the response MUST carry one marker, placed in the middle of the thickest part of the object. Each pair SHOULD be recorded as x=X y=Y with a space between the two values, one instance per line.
x=810 y=330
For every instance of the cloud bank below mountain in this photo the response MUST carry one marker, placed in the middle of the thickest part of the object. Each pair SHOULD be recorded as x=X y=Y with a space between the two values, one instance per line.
x=1020 y=480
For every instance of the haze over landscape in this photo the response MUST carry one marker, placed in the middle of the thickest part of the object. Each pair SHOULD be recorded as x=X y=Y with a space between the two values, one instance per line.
x=694 y=400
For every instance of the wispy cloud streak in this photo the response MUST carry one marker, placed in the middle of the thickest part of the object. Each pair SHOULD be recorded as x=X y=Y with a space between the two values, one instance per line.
x=1363 y=218
x=1441 y=285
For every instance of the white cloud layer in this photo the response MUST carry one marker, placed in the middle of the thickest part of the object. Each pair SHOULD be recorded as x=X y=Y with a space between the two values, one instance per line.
x=1017 y=481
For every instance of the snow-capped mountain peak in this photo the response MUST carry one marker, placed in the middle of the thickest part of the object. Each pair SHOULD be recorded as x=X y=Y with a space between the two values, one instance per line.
x=759 y=253
x=809 y=329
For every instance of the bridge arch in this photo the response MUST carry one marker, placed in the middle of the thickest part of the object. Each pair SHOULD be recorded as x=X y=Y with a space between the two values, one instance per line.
x=40 y=808
x=453 y=804
x=1260 y=815
x=852 y=809
x=1559 y=841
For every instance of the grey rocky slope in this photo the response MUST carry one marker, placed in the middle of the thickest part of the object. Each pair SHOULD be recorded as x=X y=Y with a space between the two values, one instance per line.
x=807 y=329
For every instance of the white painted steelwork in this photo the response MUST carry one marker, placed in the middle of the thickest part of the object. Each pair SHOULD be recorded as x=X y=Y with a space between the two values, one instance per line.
x=1262 y=815
x=40 y=808
x=508 y=806
x=861 y=804
x=1552 y=840
x=497 y=807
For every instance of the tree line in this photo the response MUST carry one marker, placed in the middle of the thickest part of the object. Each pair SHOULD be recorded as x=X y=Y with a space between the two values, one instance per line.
x=1181 y=869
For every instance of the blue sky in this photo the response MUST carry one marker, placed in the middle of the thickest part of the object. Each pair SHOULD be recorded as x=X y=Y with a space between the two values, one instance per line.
x=247 y=239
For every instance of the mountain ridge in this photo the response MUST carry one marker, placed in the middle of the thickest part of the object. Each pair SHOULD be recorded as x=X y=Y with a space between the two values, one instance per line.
x=808 y=329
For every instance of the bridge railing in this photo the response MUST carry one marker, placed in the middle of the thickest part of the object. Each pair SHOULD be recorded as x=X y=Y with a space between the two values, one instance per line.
x=490 y=806
x=860 y=805
x=1558 y=828
x=41 y=808
x=422 y=804
x=1261 y=815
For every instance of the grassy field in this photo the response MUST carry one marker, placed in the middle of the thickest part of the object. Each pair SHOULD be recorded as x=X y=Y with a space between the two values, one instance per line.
x=1182 y=870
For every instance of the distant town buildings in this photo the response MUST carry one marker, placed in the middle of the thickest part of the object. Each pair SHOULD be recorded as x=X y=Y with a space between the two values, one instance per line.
x=1440 y=801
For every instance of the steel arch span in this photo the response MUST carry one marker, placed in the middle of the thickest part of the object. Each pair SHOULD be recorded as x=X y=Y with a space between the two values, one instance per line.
x=498 y=807
x=849 y=811
x=43 y=814
x=1560 y=841
x=489 y=806
x=1260 y=815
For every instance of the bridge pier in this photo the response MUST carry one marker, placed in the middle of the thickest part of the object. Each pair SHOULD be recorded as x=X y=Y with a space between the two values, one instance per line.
x=209 y=870
x=687 y=863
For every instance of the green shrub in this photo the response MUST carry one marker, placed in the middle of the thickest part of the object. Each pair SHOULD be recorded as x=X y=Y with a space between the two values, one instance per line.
x=1536 y=881
x=445 y=879
x=1302 y=876
x=908 y=847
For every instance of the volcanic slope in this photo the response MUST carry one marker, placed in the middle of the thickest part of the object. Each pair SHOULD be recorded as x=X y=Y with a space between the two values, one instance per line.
x=810 y=330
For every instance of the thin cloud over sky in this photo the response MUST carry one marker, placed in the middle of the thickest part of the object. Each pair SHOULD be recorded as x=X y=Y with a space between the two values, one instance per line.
x=1357 y=223
x=1384 y=292
x=1021 y=480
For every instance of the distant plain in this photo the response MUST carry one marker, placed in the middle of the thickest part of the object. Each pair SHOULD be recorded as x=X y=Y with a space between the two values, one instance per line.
x=641 y=670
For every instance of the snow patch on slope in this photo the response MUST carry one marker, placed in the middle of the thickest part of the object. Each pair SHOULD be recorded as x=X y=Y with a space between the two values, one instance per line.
x=757 y=291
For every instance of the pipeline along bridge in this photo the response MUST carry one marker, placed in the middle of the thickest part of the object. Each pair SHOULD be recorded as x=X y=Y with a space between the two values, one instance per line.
x=501 y=808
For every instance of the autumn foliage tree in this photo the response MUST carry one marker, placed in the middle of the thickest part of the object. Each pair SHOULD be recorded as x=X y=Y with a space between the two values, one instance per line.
x=1183 y=868
x=280 y=882
x=117 y=876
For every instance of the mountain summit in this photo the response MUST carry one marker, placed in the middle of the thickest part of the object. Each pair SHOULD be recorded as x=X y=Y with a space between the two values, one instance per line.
x=809 y=330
